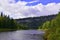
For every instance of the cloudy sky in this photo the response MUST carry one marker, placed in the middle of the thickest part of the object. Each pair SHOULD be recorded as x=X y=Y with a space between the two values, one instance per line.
x=29 y=8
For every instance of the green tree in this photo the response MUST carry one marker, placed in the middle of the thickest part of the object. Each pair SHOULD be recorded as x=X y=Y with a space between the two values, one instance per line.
x=53 y=26
x=7 y=23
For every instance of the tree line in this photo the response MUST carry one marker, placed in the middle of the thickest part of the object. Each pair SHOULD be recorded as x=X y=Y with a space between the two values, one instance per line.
x=8 y=23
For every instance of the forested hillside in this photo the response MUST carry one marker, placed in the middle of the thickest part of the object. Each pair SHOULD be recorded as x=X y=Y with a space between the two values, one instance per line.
x=26 y=23
x=34 y=22
x=52 y=28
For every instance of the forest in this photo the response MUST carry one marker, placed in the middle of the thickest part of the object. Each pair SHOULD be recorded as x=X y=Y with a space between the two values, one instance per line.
x=34 y=22
x=23 y=24
x=8 y=24
x=52 y=28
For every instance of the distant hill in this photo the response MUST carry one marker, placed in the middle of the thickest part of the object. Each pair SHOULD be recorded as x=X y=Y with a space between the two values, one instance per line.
x=35 y=22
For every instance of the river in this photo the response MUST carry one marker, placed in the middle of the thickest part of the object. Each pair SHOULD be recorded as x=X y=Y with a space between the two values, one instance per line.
x=22 y=35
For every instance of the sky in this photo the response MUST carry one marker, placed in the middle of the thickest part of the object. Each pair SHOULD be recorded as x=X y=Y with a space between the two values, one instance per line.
x=29 y=8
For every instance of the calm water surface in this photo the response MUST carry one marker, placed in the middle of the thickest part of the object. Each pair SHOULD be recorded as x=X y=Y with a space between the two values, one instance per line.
x=22 y=35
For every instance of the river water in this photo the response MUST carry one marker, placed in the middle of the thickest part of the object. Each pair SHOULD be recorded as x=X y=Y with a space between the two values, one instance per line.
x=22 y=35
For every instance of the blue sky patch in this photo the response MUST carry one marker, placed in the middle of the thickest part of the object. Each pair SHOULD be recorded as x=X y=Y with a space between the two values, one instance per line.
x=44 y=2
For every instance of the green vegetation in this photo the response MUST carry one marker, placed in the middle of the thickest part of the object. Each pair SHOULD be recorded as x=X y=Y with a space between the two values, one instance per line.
x=52 y=29
x=34 y=22
x=8 y=24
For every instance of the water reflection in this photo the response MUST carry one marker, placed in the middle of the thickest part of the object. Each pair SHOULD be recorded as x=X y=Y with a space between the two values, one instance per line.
x=22 y=35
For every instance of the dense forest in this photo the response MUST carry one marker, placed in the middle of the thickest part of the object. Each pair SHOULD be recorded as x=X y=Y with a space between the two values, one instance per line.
x=52 y=28
x=7 y=23
x=34 y=22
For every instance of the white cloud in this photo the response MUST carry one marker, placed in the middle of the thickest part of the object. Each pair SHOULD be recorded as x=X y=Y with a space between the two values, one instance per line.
x=20 y=10
x=51 y=8
x=33 y=1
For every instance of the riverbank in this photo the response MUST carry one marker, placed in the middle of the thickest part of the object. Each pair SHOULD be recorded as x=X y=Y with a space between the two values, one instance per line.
x=5 y=30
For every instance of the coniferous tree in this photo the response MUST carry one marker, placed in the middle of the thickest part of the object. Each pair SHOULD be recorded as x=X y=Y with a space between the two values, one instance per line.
x=7 y=22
